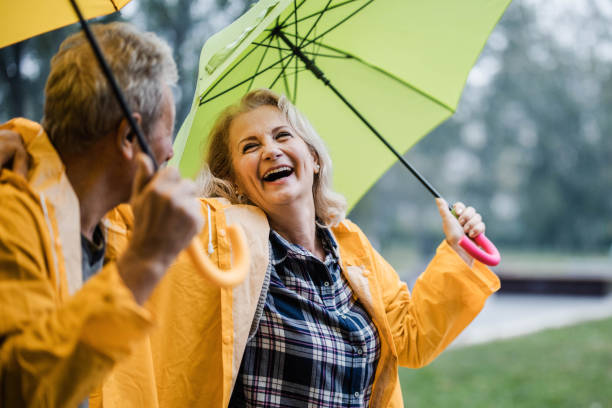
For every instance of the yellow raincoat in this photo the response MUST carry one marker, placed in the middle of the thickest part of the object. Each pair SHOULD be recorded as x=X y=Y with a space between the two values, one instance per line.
x=58 y=340
x=192 y=357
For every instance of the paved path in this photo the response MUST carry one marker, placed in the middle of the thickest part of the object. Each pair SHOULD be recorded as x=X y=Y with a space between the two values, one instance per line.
x=507 y=315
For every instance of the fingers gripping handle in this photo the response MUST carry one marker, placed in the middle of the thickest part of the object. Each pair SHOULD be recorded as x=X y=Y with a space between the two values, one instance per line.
x=480 y=248
x=211 y=272
x=488 y=255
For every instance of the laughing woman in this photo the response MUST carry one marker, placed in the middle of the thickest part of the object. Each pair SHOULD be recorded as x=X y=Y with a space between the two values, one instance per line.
x=333 y=320
x=322 y=320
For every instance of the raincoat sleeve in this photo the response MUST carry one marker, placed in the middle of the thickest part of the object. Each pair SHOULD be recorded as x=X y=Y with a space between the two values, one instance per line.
x=446 y=297
x=53 y=352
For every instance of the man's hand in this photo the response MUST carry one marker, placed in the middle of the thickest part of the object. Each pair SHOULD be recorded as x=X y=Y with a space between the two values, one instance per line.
x=167 y=215
x=13 y=154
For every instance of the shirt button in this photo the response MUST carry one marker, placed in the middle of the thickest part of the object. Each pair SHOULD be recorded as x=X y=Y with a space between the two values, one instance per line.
x=222 y=232
x=325 y=283
x=360 y=351
x=343 y=316
x=356 y=394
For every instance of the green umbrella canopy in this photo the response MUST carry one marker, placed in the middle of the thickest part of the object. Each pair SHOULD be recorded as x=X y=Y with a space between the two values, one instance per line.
x=401 y=63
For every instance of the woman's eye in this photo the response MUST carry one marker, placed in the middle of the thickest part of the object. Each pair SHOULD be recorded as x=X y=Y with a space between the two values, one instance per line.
x=282 y=135
x=248 y=147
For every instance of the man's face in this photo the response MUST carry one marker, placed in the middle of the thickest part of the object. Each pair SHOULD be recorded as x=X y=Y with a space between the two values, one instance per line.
x=160 y=136
x=159 y=139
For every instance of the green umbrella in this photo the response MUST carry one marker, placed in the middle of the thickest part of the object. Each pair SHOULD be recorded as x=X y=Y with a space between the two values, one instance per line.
x=358 y=69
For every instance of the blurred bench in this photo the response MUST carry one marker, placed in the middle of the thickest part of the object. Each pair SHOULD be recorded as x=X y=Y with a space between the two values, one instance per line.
x=578 y=277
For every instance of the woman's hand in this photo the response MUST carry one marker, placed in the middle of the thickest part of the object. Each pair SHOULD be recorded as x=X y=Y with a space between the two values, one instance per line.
x=469 y=223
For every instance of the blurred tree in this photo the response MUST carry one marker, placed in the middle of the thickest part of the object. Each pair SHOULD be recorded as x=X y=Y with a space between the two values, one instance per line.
x=23 y=69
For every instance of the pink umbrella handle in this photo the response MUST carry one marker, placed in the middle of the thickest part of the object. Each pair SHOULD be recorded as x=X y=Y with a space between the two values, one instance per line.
x=488 y=255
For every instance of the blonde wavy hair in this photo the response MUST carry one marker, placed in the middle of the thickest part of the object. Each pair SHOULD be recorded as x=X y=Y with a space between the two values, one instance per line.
x=80 y=107
x=217 y=178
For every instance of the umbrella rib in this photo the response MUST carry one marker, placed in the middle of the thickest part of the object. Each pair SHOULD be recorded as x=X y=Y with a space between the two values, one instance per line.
x=319 y=12
x=280 y=55
x=315 y=48
x=341 y=54
x=388 y=74
x=414 y=88
x=295 y=9
x=294 y=72
x=284 y=67
x=336 y=25
x=295 y=81
x=274 y=47
x=295 y=19
x=317 y=54
x=288 y=69
x=225 y=74
x=295 y=78
x=261 y=60
x=202 y=101
x=312 y=27
x=114 y=5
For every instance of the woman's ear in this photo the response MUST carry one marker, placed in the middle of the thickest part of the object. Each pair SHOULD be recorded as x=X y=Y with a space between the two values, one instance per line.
x=315 y=158
x=126 y=139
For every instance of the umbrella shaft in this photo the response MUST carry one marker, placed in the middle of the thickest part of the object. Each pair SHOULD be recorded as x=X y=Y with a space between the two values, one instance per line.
x=311 y=66
x=114 y=85
x=408 y=166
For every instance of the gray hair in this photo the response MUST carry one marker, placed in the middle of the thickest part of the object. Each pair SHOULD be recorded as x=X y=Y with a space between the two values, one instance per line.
x=218 y=179
x=80 y=107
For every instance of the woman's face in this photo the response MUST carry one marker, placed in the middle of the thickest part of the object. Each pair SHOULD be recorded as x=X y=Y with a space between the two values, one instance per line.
x=273 y=166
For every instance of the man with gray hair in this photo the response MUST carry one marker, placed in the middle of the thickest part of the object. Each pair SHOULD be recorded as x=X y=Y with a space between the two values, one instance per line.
x=65 y=320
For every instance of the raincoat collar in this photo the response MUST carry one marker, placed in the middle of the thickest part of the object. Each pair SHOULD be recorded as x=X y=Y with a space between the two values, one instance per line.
x=48 y=181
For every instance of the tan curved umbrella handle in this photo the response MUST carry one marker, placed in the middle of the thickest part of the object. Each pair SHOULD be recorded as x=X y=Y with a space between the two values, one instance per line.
x=211 y=272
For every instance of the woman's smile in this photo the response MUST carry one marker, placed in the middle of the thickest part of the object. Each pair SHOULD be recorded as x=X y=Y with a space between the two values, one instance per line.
x=277 y=174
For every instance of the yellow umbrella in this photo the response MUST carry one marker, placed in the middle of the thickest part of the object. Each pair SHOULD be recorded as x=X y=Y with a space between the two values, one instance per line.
x=23 y=19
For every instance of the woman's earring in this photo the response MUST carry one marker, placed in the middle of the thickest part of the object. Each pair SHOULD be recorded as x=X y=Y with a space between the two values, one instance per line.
x=317 y=168
x=239 y=196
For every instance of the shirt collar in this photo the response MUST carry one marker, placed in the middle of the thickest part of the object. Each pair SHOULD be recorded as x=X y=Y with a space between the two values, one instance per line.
x=281 y=248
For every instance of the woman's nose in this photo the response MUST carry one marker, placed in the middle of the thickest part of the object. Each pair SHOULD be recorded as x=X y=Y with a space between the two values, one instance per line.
x=272 y=151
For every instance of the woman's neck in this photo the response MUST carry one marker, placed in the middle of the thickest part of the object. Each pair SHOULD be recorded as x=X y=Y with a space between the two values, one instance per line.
x=298 y=226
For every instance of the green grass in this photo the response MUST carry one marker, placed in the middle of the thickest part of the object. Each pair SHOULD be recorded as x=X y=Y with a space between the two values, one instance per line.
x=569 y=367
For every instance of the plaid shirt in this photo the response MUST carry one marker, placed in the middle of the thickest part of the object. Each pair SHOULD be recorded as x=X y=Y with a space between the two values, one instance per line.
x=314 y=345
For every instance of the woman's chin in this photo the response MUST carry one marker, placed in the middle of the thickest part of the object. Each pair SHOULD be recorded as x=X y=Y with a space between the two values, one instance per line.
x=287 y=198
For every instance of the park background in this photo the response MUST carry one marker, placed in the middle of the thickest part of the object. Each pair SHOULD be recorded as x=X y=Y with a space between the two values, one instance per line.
x=529 y=147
